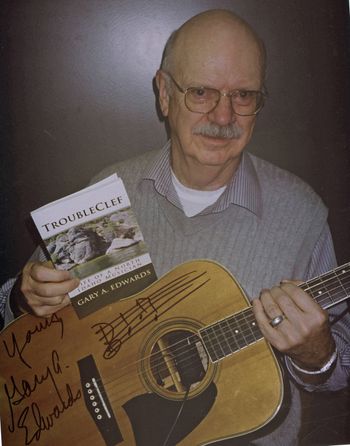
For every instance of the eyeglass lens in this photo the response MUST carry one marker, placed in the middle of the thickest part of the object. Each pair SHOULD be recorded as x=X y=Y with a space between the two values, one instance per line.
x=204 y=100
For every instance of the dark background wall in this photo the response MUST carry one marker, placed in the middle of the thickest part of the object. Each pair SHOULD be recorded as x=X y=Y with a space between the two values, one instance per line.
x=76 y=94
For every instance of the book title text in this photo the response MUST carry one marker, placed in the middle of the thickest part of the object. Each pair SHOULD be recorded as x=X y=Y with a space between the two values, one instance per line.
x=83 y=213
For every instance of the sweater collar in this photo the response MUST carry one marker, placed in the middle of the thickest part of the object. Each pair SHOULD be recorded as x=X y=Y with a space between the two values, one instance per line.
x=243 y=190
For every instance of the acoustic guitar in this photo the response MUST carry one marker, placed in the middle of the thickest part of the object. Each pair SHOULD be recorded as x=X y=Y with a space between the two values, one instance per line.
x=183 y=362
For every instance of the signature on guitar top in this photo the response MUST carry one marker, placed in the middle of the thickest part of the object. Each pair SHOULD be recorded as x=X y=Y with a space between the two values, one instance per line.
x=182 y=362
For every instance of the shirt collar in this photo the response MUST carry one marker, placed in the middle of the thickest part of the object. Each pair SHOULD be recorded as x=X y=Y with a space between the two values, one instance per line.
x=243 y=190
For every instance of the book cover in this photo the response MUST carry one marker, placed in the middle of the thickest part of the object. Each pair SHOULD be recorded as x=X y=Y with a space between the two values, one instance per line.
x=94 y=234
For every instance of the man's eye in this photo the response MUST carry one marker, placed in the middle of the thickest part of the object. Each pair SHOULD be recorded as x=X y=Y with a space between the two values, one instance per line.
x=199 y=92
x=243 y=97
x=244 y=94
x=203 y=94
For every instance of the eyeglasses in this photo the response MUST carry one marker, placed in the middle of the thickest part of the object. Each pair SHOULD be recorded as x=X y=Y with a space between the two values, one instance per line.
x=205 y=99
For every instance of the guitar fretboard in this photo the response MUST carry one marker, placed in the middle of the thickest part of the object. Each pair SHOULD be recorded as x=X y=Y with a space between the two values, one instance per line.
x=240 y=330
x=330 y=288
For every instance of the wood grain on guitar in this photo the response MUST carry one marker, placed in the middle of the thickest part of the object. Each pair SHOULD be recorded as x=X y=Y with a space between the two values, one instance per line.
x=119 y=375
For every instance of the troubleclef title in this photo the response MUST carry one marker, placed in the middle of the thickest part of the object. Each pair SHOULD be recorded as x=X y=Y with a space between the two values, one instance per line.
x=91 y=203
x=101 y=206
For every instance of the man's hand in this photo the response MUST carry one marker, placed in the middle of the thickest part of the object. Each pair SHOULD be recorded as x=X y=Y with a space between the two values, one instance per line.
x=304 y=333
x=44 y=289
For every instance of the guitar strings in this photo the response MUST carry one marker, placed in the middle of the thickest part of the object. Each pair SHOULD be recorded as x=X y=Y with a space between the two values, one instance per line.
x=342 y=286
x=183 y=350
x=244 y=333
x=180 y=347
x=188 y=358
x=182 y=356
x=307 y=287
x=185 y=361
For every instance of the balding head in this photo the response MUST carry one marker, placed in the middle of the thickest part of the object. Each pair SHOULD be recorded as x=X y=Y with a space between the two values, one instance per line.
x=208 y=33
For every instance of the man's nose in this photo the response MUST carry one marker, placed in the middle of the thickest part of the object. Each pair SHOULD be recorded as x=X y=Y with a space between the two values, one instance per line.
x=223 y=113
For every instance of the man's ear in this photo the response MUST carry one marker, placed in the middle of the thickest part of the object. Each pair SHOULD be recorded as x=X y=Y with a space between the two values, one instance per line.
x=163 y=97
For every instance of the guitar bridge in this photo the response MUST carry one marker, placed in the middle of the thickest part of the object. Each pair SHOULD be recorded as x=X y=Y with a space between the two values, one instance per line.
x=97 y=403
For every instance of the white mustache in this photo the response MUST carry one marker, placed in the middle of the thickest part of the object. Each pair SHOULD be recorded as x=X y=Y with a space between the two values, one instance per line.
x=229 y=131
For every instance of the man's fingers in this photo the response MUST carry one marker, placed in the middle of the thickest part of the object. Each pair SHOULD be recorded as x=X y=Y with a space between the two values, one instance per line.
x=302 y=330
x=48 y=310
x=44 y=290
x=263 y=321
x=301 y=299
x=44 y=273
x=54 y=301
x=41 y=280
x=277 y=307
x=51 y=289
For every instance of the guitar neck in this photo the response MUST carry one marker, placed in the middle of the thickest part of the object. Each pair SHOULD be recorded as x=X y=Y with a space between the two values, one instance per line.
x=330 y=288
x=240 y=330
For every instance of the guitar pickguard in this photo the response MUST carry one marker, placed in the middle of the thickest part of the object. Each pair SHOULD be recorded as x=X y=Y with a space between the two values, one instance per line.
x=152 y=416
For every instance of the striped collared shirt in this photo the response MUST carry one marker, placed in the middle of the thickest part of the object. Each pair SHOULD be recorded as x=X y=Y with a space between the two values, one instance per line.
x=243 y=190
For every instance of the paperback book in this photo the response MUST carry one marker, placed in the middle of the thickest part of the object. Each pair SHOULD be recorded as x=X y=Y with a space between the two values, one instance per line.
x=94 y=234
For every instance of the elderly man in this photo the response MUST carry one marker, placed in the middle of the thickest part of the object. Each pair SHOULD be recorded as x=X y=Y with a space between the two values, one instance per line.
x=202 y=196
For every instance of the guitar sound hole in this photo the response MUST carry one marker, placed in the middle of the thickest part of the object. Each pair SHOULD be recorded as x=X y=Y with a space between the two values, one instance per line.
x=178 y=361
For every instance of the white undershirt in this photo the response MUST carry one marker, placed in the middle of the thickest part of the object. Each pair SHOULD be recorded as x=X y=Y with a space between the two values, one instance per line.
x=194 y=201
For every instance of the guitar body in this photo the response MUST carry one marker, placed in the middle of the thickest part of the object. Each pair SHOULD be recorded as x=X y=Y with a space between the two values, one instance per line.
x=119 y=376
